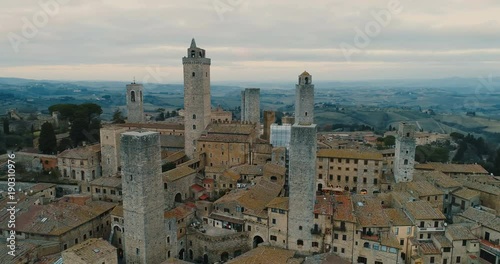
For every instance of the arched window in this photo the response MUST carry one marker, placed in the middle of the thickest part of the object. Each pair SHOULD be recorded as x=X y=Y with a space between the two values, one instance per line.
x=194 y=116
x=83 y=175
x=366 y=245
x=406 y=162
x=132 y=96
x=306 y=113
x=193 y=54
x=194 y=74
x=194 y=126
x=307 y=80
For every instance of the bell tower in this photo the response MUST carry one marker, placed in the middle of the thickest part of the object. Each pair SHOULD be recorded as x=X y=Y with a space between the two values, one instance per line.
x=197 y=106
x=135 y=107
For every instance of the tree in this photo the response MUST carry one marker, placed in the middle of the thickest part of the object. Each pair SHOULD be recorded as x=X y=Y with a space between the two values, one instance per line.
x=160 y=117
x=47 y=140
x=64 y=145
x=389 y=141
x=496 y=163
x=118 y=117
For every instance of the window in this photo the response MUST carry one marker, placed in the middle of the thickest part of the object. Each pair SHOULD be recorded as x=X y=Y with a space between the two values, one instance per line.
x=320 y=176
x=315 y=244
x=464 y=243
x=338 y=177
x=458 y=260
x=355 y=179
x=334 y=249
x=401 y=242
x=194 y=74
x=346 y=178
x=274 y=221
x=300 y=227
x=344 y=237
x=300 y=242
x=316 y=216
x=273 y=238
x=132 y=96
x=342 y=250
x=422 y=224
x=194 y=126
x=249 y=228
x=335 y=236
x=366 y=245
x=432 y=259
x=137 y=251
x=406 y=162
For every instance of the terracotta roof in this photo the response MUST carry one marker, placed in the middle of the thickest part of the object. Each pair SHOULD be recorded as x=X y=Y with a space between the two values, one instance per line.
x=279 y=203
x=231 y=128
x=442 y=240
x=459 y=232
x=324 y=205
x=41 y=186
x=466 y=193
x=481 y=187
x=197 y=188
x=80 y=152
x=179 y=212
x=177 y=173
x=55 y=218
x=484 y=218
x=368 y=210
x=397 y=217
x=453 y=168
x=428 y=248
x=175 y=156
x=113 y=182
x=343 y=209
x=248 y=169
x=349 y=154
x=424 y=188
x=117 y=211
x=423 y=210
x=92 y=250
x=438 y=178
x=305 y=73
x=208 y=180
x=264 y=255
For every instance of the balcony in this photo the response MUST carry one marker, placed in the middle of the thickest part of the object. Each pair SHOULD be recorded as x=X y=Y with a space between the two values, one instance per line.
x=316 y=231
x=430 y=229
x=490 y=246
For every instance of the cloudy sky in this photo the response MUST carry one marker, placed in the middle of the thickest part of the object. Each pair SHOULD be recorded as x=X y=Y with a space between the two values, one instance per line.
x=250 y=40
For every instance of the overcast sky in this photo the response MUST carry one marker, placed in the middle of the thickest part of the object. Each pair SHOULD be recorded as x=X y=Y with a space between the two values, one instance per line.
x=251 y=40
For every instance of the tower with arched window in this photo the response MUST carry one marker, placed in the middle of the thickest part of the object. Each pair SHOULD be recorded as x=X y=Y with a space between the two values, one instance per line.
x=304 y=100
x=197 y=107
x=135 y=107
x=404 y=160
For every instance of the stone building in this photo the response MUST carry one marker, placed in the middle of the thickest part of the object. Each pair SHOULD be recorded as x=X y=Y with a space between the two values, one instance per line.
x=349 y=170
x=135 y=105
x=110 y=149
x=277 y=211
x=92 y=251
x=250 y=106
x=302 y=169
x=404 y=160
x=197 y=106
x=221 y=116
x=177 y=185
x=142 y=210
x=80 y=164
x=104 y=189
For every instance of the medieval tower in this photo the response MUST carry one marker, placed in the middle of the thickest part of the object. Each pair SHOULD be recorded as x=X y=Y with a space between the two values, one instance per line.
x=250 y=105
x=197 y=107
x=304 y=99
x=302 y=169
x=404 y=160
x=135 y=107
x=144 y=239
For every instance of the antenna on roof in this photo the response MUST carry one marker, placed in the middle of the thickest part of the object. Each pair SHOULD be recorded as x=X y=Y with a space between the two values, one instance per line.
x=134 y=80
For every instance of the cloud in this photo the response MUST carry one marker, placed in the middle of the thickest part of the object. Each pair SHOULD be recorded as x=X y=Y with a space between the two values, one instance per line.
x=113 y=39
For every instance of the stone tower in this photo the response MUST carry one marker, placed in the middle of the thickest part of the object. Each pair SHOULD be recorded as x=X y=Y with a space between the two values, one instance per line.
x=135 y=107
x=304 y=100
x=404 y=160
x=250 y=105
x=197 y=107
x=269 y=119
x=302 y=170
x=143 y=211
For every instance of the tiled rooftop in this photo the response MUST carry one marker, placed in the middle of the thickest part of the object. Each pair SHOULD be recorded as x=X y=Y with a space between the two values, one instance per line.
x=92 y=250
x=80 y=152
x=397 y=217
x=423 y=210
x=453 y=168
x=113 y=182
x=264 y=255
x=279 y=203
x=466 y=193
x=177 y=173
x=459 y=232
x=484 y=218
x=343 y=209
x=424 y=188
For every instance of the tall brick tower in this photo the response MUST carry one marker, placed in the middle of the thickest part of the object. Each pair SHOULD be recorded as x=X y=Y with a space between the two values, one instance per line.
x=302 y=169
x=197 y=107
x=404 y=160
x=250 y=105
x=135 y=107
x=144 y=238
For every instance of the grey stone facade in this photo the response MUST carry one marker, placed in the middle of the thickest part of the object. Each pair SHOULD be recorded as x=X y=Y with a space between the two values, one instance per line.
x=135 y=107
x=304 y=100
x=144 y=238
x=250 y=105
x=404 y=161
x=197 y=107
x=301 y=187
